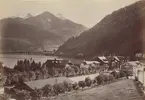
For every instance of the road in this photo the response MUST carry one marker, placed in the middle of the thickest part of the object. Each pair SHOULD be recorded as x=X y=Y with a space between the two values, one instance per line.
x=82 y=78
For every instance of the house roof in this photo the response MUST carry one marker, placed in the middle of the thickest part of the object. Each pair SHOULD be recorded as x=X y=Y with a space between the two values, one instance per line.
x=41 y=83
x=116 y=58
x=103 y=59
x=91 y=62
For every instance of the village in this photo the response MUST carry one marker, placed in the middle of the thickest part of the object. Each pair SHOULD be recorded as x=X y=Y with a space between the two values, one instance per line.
x=29 y=80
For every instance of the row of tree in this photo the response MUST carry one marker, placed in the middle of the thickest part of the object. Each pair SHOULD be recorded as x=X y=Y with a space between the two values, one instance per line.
x=29 y=70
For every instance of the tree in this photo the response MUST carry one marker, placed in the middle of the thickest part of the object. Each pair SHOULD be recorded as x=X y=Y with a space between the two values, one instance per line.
x=88 y=81
x=68 y=69
x=82 y=84
x=76 y=69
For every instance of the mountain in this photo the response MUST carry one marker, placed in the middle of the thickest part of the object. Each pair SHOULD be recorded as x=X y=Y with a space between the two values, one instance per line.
x=121 y=33
x=36 y=33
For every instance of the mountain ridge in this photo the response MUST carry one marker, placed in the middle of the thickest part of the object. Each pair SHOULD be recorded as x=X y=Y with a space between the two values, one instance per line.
x=41 y=31
x=120 y=33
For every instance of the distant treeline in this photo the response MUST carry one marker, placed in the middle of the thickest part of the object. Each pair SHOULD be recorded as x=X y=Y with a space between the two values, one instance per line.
x=28 y=70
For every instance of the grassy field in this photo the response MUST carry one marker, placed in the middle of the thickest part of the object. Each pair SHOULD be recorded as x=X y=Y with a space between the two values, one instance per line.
x=121 y=90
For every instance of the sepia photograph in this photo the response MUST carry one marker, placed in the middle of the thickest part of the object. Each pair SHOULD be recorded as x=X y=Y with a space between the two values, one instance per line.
x=72 y=49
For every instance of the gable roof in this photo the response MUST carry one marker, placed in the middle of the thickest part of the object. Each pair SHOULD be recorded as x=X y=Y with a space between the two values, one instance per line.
x=116 y=58
x=41 y=83
x=91 y=62
x=103 y=59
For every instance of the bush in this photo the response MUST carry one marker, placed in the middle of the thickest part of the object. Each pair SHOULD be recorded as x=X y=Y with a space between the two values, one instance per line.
x=100 y=79
x=115 y=74
x=88 y=81
x=75 y=86
x=67 y=86
x=82 y=84
x=58 y=88
x=47 y=90
x=94 y=81
x=111 y=78
x=122 y=74
x=136 y=78
x=106 y=78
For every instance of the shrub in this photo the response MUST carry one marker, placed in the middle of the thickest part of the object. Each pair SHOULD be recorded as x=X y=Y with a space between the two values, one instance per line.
x=67 y=86
x=94 y=81
x=111 y=78
x=81 y=84
x=115 y=74
x=122 y=74
x=58 y=88
x=100 y=79
x=88 y=81
x=75 y=86
x=47 y=90
x=106 y=78
x=136 y=78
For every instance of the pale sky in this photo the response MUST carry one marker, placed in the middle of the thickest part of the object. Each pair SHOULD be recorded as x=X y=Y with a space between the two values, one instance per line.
x=86 y=12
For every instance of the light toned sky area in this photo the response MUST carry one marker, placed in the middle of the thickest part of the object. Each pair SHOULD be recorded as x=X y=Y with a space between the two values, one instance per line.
x=86 y=12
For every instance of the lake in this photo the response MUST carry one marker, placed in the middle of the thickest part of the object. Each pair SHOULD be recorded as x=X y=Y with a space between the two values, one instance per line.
x=10 y=60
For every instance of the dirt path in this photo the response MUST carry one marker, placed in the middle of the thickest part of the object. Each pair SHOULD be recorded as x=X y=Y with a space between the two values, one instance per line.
x=82 y=78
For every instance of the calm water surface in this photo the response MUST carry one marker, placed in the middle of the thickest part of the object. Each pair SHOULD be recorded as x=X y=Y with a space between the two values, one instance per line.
x=10 y=60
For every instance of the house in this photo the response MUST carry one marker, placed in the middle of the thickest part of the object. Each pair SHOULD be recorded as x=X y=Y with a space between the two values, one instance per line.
x=128 y=67
x=88 y=66
x=114 y=61
x=54 y=65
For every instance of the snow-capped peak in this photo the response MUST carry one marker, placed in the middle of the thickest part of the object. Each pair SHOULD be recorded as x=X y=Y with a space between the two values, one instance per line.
x=60 y=16
x=28 y=15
